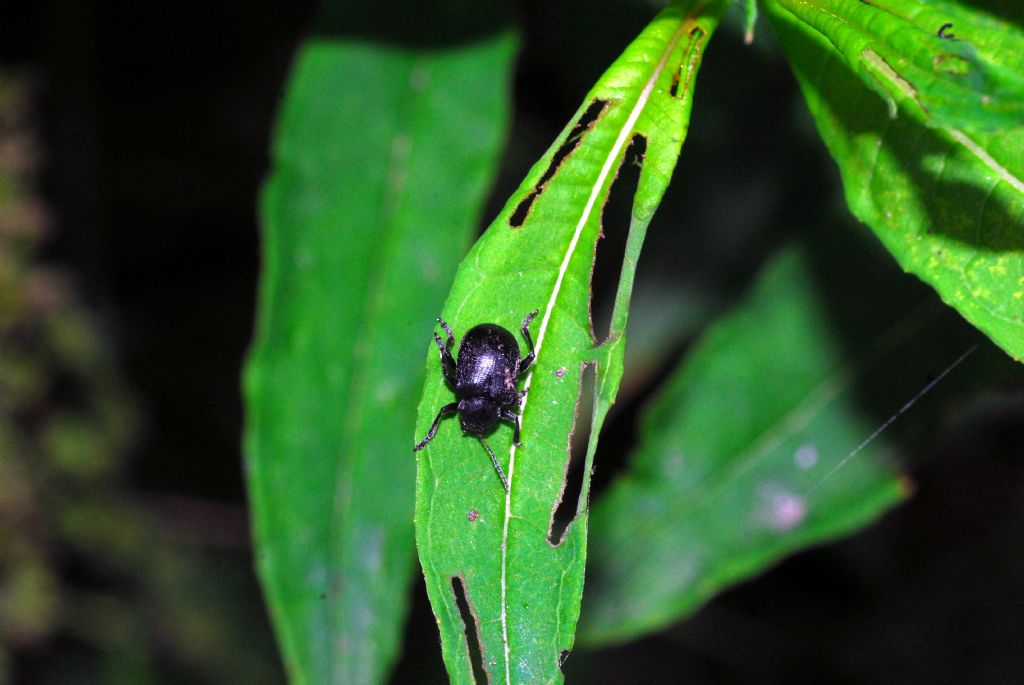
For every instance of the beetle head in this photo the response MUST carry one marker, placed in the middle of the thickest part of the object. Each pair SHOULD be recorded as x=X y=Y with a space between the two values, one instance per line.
x=478 y=415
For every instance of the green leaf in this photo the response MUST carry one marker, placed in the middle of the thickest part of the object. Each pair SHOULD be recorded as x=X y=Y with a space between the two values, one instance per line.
x=521 y=583
x=951 y=65
x=947 y=202
x=735 y=464
x=382 y=160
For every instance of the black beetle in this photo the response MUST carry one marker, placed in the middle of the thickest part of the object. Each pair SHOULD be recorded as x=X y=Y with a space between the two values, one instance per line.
x=485 y=379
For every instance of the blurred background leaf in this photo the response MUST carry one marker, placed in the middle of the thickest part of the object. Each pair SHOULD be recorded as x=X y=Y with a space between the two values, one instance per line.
x=382 y=159
x=734 y=466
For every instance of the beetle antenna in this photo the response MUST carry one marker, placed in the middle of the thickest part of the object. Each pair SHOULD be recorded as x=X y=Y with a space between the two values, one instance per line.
x=497 y=466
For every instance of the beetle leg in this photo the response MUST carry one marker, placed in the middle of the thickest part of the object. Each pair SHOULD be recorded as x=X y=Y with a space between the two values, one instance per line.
x=445 y=348
x=451 y=336
x=528 y=359
x=509 y=415
x=497 y=466
x=446 y=409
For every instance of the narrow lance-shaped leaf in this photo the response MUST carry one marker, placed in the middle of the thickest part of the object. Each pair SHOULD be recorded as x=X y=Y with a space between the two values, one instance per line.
x=947 y=202
x=735 y=466
x=521 y=579
x=359 y=247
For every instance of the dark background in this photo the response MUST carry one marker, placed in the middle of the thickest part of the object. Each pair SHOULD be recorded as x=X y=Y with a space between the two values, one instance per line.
x=152 y=123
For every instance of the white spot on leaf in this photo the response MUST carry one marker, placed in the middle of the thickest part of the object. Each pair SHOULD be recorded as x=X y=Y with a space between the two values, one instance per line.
x=782 y=510
x=806 y=456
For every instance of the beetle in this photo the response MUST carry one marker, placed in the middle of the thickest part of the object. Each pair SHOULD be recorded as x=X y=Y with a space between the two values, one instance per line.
x=485 y=377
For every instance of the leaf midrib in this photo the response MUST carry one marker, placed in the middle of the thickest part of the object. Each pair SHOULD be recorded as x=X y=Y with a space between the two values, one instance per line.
x=619 y=145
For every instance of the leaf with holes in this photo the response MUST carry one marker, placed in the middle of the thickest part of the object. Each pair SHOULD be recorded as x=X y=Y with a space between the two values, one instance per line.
x=946 y=201
x=519 y=577
x=358 y=248
x=737 y=464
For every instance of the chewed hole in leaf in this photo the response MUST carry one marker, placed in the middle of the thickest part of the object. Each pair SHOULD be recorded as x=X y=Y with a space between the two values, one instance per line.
x=476 y=658
x=611 y=246
x=674 y=88
x=572 y=141
x=564 y=512
x=683 y=76
x=951 y=64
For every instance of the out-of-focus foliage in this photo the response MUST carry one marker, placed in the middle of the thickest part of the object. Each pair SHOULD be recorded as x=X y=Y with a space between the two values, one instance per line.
x=91 y=573
x=728 y=476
